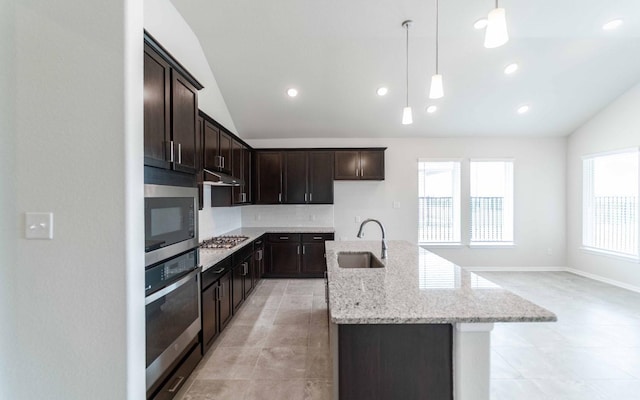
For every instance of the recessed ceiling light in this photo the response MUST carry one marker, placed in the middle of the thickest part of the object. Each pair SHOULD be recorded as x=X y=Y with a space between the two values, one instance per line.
x=613 y=24
x=480 y=24
x=511 y=68
x=432 y=109
x=523 y=109
x=382 y=91
x=291 y=92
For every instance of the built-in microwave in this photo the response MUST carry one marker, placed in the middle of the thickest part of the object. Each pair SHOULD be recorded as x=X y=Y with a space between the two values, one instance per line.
x=170 y=221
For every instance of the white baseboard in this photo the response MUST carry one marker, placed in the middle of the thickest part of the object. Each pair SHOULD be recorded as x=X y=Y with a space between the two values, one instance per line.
x=516 y=269
x=574 y=271
x=603 y=279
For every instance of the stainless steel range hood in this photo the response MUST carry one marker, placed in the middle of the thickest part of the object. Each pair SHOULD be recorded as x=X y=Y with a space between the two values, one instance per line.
x=212 y=178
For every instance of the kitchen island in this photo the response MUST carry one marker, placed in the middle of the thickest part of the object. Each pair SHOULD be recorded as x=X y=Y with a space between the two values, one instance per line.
x=416 y=328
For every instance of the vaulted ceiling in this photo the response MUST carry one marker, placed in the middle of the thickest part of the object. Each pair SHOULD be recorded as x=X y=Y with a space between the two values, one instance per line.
x=338 y=52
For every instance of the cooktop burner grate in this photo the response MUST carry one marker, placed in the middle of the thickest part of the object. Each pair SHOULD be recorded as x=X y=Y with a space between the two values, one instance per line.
x=223 y=242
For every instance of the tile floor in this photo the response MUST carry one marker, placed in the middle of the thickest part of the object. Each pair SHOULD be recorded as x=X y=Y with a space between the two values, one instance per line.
x=277 y=345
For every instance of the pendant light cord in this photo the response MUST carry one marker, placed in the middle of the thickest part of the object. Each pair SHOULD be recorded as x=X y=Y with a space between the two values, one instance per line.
x=437 y=34
x=407 y=26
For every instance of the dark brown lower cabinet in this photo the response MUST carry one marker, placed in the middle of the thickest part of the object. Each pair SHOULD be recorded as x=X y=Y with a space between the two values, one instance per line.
x=226 y=304
x=238 y=290
x=295 y=255
x=210 y=316
x=409 y=362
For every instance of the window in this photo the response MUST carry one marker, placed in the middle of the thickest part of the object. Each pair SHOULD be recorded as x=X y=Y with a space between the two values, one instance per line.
x=610 y=203
x=439 y=201
x=491 y=202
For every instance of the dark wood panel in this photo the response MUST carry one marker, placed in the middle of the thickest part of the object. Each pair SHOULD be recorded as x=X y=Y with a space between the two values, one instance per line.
x=226 y=304
x=200 y=161
x=409 y=362
x=246 y=175
x=313 y=259
x=321 y=165
x=184 y=114
x=346 y=165
x=269 y=177
x=157 y=109
x=295 y=177
x=225 y=152
x=237 y=156
x=160 y=176
x=211 y=144
x=238 y=289
x=372 y=165
x=209 y=316
x=284 y=258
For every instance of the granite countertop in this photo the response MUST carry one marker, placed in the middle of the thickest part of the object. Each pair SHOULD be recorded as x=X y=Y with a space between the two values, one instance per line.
x=418 y=286
x=210 y=257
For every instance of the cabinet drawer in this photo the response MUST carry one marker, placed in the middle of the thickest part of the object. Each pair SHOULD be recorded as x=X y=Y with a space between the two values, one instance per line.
x=316 y=237
x=241 y=254
x=214 y=273
x=284 y=237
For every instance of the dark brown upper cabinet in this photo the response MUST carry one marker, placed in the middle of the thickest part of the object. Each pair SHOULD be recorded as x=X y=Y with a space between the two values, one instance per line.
x=217 y=149
x=359 y=164
x=170 y=111
x=241 y=165
x=268 y=175
x=294 y=177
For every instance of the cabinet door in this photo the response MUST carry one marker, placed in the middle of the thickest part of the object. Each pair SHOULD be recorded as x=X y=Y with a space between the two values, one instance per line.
x=313 y=261
x=238 y=289
x=226 y=305
x=236 y=170
x=347 y=165
x=184 y=114
x=225 y=152
x=372 y=165
x=269 y=177
x=295 y=177
x=258 y=262
x=157 y=109
x=211 y=144
x=209 y=316
x=200 y=161
x=284 y=258
x=320 y=177
x=248 y=279
x=246 y=175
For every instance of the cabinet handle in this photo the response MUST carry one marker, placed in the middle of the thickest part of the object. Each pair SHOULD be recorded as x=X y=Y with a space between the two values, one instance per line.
x=259 y=255
x=305 y=197
x=284 y=237
x=221 y=291
x=171 y=151
x=244 y=268
x=222 y=159
x=176 y=385
x=179 y=153
x=219 y=270
x=310 y=197
x=298 y=249
x=279 y=197
x=303 y=249
x=317 y=238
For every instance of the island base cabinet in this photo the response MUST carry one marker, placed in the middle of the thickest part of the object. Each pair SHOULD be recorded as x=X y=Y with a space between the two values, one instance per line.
x=403 y=361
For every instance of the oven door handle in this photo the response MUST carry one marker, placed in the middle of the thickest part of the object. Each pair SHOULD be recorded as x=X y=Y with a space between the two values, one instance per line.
x=164 y=291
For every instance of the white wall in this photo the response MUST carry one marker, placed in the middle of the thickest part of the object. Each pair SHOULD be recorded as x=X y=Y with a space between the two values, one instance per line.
x=214 y=221
x=74 y=304
x=288 y=215
x=539 y=194
x=615 y=127
x=166 y=25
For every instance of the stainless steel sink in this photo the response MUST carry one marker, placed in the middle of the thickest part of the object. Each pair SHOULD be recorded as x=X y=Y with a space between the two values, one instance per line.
x=360 y=259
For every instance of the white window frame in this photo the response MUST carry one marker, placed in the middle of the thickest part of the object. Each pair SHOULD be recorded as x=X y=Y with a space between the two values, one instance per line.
x=508 y=206
x=588 y=230
x=457 y=201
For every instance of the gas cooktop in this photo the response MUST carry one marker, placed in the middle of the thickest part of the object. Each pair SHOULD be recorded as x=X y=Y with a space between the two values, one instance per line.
x=223 y=242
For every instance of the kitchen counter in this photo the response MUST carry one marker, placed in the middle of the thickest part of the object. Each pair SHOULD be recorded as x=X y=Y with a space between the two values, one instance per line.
x=419 y=327
x=210 y=257
x=418 y=286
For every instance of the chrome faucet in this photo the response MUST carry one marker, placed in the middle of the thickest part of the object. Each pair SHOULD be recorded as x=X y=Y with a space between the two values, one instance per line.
x=384 y=242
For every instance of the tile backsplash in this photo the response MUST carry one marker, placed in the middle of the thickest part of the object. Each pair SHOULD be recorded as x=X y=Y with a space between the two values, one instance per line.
x=284 y=215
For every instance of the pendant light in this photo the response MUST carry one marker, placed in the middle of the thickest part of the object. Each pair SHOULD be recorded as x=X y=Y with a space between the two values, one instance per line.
x=496 y=34
x=436 y=91
x=407 y=117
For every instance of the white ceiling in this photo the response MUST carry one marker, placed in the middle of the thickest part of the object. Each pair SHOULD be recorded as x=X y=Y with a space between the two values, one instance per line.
x=338 y=52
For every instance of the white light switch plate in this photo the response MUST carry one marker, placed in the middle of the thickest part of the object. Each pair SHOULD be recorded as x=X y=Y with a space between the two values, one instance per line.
x=38 y=225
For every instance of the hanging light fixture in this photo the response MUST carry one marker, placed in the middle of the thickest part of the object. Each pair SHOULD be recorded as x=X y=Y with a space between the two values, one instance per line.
x=407 y=117
x=436 y=91
x=496 y=34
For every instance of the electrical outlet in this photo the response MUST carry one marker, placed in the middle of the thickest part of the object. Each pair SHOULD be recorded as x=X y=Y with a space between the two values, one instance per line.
x=396 y=204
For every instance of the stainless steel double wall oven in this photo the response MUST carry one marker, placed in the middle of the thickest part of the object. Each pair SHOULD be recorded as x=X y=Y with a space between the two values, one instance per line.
x=172 y=278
